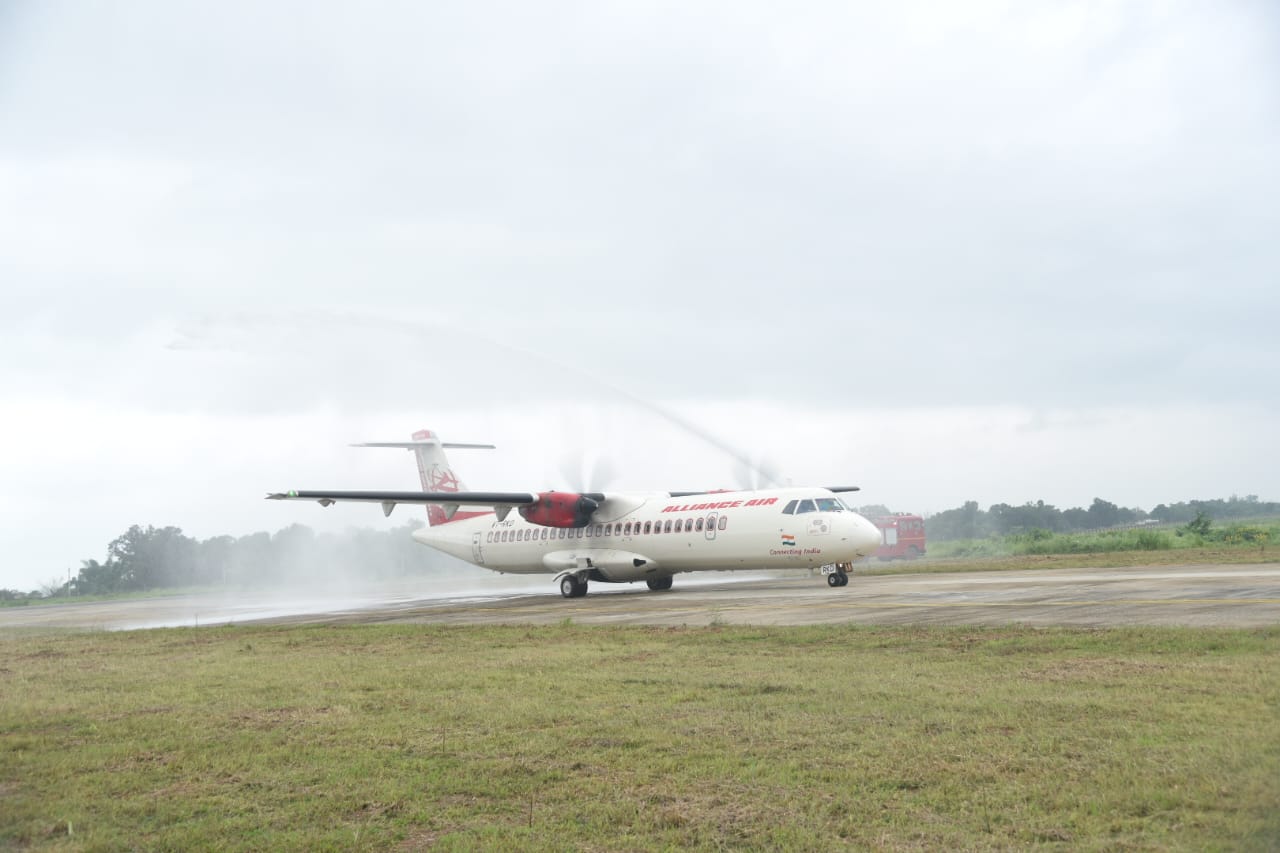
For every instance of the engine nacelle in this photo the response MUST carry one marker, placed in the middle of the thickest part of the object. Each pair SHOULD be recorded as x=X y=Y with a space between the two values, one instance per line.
x=560 y=509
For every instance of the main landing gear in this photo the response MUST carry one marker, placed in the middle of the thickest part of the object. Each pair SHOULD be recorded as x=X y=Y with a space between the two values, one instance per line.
x=575 y=586
x=837 y=574
x=572 y=587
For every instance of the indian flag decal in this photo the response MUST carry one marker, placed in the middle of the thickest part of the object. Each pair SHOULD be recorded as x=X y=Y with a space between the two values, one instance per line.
x=788 y=539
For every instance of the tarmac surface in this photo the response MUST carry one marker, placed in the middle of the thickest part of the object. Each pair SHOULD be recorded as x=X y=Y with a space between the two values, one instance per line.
x=1192 y=595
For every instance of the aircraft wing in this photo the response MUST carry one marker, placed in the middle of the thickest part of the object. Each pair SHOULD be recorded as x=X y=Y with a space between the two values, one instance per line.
x=502 y=502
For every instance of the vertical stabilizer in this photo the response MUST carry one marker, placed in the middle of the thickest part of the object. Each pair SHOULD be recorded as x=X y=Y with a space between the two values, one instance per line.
x=434 y=470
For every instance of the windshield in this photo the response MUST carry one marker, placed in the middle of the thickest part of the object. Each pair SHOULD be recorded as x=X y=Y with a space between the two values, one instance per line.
x=816 y=505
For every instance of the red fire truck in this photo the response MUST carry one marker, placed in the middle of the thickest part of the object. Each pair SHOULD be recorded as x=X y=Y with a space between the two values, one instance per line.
x=902 y=536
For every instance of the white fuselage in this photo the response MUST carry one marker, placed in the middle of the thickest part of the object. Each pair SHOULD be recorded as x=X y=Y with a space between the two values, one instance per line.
x=643 y=536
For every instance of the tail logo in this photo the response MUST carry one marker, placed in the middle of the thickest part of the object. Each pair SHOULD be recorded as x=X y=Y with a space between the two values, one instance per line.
x=441 y=480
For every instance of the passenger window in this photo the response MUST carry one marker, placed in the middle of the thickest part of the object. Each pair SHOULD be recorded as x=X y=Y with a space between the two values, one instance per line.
x=648 y=527
x=790 y=508
x=805 y=506
x=724 y=522
x=679 y=525
x=699 y=527
x=608 y=530
x=599 y=528
x=627 y=530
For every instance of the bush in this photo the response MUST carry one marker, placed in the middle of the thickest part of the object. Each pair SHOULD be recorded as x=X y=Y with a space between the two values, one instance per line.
x=1240 y=533
x=1200 y=525
x=1152 y=540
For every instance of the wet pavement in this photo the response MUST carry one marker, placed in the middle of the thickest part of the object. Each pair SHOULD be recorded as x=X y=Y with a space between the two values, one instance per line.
x=1193 y=595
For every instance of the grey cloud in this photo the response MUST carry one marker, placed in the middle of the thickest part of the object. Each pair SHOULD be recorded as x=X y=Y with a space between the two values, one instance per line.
x=1047 y=207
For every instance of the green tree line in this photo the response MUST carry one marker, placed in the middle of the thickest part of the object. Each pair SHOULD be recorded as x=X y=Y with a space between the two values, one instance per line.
x=148 y=558
x=971 y=522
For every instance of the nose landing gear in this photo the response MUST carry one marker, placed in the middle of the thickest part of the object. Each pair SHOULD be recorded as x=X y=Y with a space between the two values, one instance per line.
x=837 y=574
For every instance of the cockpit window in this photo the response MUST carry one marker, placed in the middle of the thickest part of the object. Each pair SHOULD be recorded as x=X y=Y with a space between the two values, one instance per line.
x=805 y=506
x=830 y=505
x=790 y=508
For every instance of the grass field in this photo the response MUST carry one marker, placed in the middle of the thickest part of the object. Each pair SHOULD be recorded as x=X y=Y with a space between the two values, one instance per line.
x=569 y=737
x=1243 y=541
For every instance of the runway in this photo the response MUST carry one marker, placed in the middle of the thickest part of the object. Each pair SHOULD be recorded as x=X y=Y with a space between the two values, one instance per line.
x=1192 y=595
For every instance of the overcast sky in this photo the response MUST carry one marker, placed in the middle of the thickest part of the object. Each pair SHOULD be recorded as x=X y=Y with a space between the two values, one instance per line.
x=945 y=251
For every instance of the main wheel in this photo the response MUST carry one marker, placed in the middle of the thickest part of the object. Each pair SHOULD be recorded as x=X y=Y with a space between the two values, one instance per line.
x=833 y=579
x=659 y=584
x=844 y=580
x=569 y=586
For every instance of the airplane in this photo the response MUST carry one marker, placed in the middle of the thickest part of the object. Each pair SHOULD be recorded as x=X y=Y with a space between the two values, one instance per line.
x=622 y=537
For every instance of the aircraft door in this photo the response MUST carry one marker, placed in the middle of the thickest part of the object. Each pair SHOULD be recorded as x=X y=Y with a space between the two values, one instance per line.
x=711 y=525
x=476 y=553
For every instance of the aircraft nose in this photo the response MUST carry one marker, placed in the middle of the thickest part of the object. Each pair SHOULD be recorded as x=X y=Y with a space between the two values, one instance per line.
x=865 y=536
